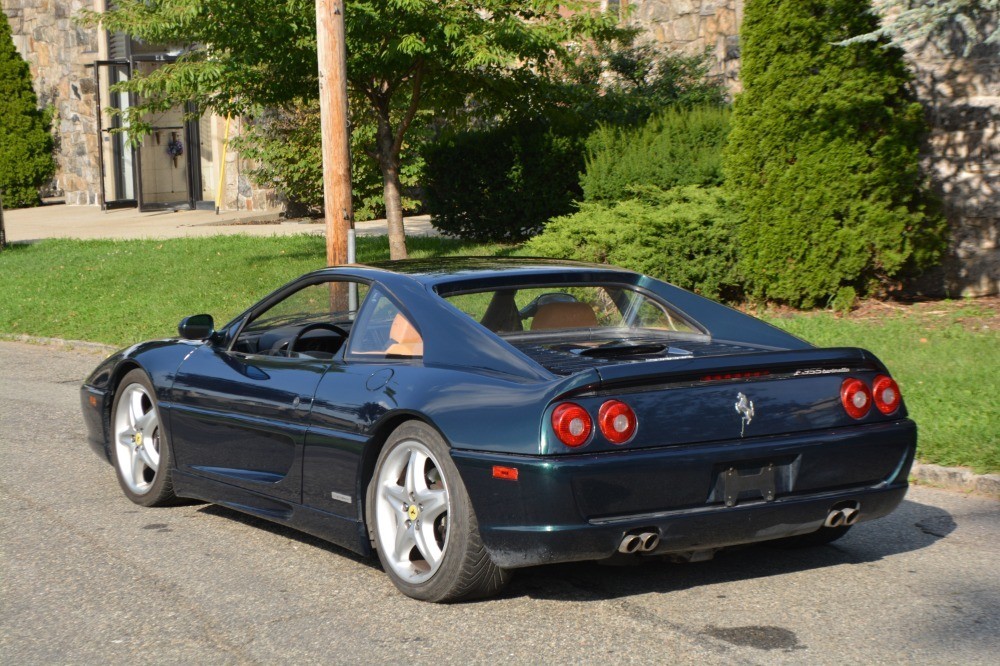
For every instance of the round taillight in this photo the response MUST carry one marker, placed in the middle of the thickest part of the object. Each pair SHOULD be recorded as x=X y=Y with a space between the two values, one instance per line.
x=885 y=392
x=572 y=424
x=856 y=397
x=617 y=421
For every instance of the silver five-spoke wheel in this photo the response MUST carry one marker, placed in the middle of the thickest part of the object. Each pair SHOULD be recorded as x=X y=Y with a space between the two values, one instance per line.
x=422 y=523
x=138 y=446
x=413 y=504
x=137 y=439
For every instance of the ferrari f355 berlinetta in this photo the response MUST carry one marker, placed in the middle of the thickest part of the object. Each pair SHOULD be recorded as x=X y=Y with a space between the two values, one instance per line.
x=463 y=418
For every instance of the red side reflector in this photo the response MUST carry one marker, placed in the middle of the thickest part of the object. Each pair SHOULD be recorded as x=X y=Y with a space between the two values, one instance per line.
x=93 y=401
x=506 y=473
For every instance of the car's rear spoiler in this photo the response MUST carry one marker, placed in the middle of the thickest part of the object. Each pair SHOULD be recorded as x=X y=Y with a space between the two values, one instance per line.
x=770 y=362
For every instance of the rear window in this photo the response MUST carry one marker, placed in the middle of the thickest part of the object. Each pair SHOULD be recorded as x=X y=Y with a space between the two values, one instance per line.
x=591 y=308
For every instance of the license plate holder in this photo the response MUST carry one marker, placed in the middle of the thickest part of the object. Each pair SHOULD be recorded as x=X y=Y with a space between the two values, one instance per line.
x=748 y=485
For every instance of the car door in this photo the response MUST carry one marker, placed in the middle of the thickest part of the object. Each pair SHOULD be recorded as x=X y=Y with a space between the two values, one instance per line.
x=240 y=412
x=352 y=396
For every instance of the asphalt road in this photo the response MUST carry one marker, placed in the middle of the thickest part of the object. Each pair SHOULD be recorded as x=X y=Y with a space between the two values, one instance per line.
x=86 y=577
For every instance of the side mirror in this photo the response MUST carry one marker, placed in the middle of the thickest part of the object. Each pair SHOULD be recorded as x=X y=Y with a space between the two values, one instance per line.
x=197 y=327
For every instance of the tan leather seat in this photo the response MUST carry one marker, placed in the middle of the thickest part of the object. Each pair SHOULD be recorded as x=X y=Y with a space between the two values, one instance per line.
x=406 y=340
x=564 y=315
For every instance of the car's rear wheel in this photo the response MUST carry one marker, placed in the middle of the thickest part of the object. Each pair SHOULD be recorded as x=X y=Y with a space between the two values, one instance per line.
x=139 y=449
x=422 y=523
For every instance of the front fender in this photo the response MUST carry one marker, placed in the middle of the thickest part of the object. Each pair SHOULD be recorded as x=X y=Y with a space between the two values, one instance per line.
x=159 y=359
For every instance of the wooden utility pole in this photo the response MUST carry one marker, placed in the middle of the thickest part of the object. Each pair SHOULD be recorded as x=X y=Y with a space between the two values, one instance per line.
x=332 y=47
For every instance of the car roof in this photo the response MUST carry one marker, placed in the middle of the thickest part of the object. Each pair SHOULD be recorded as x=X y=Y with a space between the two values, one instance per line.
x=454 y=338
x=439 y=270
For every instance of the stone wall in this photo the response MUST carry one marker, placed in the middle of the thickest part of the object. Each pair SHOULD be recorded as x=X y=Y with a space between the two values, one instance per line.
x=962 y=156
x=962 y=98
x=57 y=51
x=692 y=26
x=240 y=191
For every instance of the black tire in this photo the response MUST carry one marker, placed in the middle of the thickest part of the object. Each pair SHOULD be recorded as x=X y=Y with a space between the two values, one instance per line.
x=463 y=570
x=820 y=537
x=140 y=482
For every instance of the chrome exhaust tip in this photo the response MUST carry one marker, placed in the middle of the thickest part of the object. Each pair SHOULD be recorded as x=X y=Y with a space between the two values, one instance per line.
x=834 y=519
x=851 y=515
x=649 y=541
x=630 y=544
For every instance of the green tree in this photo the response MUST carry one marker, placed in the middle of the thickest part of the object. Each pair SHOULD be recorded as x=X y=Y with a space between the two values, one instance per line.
x=504 y=172
x=25 y=143
x=823 y=155
x=623 y=81
x=285 y=146
x=404 y=56
x=954 y=25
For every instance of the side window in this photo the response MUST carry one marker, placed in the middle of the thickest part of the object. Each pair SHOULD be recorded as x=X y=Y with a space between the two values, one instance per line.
x=382 y=331
x=327 y=308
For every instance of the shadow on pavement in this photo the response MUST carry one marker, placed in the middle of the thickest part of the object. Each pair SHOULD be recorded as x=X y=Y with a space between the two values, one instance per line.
x=911 y=527
x=288 y=532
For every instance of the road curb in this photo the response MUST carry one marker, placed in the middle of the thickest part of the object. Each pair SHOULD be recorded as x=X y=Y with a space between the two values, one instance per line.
x=957 y=478
x=59 y=342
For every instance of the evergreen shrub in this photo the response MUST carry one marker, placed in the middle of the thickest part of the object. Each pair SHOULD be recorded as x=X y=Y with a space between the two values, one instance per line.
x=823 y=156
x=514 y=167
x=674 y=148
x=684 y=235
x=502 y=183
x=25 y=143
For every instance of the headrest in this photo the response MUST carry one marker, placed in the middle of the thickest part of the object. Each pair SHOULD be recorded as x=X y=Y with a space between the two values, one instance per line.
x=564 y=315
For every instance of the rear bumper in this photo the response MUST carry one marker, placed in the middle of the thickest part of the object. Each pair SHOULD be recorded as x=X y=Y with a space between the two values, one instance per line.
x=579 y=507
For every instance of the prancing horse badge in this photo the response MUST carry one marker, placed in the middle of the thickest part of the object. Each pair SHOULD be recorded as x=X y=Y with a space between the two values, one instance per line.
x=744 y=407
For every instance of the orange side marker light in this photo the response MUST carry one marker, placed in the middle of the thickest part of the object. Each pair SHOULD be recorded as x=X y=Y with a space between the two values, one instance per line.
x=506 y=473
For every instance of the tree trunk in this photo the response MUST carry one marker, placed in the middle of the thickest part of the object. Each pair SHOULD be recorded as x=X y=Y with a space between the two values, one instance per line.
x=388 y=162
x=3 y=232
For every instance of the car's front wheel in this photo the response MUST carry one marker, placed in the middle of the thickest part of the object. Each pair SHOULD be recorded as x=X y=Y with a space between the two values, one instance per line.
x=422 y=523
x=139 y=449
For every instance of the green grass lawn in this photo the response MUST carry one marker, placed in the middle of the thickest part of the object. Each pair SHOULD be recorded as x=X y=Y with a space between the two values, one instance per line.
x=946 y=361
x=119 y=292
x=947 y=366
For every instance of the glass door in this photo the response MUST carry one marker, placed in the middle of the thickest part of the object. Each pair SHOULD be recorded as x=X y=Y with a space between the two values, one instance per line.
x=119 y=160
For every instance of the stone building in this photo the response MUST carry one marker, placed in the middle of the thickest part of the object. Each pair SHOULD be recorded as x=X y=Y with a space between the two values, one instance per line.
x=960 y=93
x=178 y=165
x=692 y=27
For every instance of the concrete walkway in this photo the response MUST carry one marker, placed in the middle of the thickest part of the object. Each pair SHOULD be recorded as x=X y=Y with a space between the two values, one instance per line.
x=61 y=221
